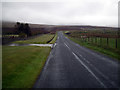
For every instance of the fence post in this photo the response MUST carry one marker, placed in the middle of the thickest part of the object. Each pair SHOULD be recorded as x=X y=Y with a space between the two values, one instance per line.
x=80 y=39
x=100 y=41
x=107 y=42
x=116 y=42
x=85 y=39
x=95 y=40
x=88 y=39
x=92 y=40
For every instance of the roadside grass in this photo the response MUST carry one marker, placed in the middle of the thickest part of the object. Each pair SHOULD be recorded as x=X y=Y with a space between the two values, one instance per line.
x=111 y=42
x=66 y=32
x=10 y=35
x=115 y=53
x=54 y=39
x=21 y=65
x=43 y=39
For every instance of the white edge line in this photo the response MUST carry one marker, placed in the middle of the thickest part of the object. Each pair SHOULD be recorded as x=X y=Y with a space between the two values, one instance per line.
x=54 y=44
x=49 y=57
x=88 y=70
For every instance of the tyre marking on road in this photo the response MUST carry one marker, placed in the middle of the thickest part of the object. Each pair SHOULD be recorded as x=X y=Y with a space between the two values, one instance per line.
x=112 y=82
x=77 y=44
x=81 y=55
x=67 y=46
x=99 y=71
x=87 y=61
x=96 y=55
x=89 y=70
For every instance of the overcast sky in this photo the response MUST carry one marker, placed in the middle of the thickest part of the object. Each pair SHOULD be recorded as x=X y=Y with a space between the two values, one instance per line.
x=62 y=12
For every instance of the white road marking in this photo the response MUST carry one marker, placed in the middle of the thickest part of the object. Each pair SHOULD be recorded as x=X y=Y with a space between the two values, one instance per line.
x=94 y=66
x=81 y=55
x=99 y=71
x=47 y=62
x=54 y=44
x=50 y=56
x=67 y=46
x=42 y=45
x=88 y=70
x=87 y=61
x=97 y=55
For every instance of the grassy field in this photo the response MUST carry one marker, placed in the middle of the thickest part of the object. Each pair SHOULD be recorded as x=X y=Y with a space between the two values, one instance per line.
x=103 y=42
x=21 y=65
x=109 y=50
x=43 y=39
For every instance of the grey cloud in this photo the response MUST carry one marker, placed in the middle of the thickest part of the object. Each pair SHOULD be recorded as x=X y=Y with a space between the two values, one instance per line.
x=84 y=12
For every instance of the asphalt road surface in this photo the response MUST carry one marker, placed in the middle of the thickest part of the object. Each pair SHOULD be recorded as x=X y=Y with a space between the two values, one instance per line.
x=70 y=65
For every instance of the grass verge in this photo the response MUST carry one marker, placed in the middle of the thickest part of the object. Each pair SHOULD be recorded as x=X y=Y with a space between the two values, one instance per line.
x=107 y=51
x=21 y=65
x=43 y=39
x=54 y=39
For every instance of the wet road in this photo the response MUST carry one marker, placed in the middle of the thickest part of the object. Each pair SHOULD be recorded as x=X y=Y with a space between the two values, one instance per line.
x=70 y=65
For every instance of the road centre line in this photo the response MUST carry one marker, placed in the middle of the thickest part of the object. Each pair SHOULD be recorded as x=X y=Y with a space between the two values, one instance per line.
x=95 y=67
x=67 y=46
x=99 y=71
x=89 y=70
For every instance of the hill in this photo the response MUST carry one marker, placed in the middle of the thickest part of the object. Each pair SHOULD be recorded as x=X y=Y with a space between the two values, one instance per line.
x=8 y=28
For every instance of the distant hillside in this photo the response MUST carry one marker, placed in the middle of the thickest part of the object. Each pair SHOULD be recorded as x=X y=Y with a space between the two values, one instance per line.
x=12 y=24
x=8 y=24
x=8 y=27
x=81 y=27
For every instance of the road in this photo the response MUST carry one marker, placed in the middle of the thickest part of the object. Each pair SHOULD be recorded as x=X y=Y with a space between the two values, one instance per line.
x=70 y=65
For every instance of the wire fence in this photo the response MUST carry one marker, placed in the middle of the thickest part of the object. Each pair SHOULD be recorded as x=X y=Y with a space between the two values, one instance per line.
x=103 y=42
x=110 y=39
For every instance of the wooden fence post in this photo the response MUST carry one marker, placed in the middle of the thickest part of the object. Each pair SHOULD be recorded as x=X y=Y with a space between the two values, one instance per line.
x=107 y=42
x=92 y=40
x=95 y=40
x=85 y=39
x=88 y=39
x=80 y=39
x=116 y=43
x=101 y=41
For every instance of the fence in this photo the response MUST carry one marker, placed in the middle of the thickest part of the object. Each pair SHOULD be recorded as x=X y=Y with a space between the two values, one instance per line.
x=102 y=41
x=110 y=39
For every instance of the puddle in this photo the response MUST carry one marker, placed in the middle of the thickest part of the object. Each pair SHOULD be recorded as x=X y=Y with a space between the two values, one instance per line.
x=44 y=45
